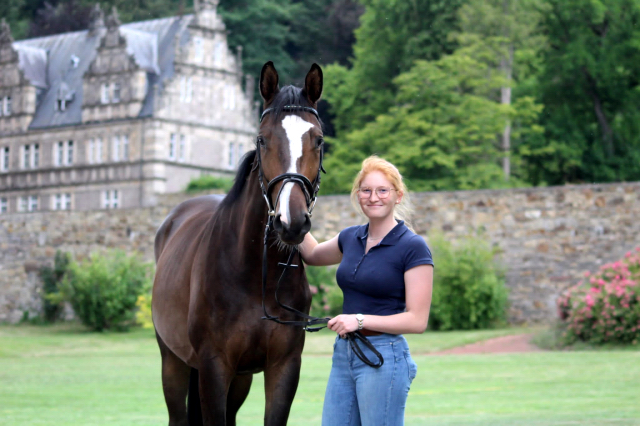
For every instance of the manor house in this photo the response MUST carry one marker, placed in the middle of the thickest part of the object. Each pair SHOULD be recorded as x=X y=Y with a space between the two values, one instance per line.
x=113 y=116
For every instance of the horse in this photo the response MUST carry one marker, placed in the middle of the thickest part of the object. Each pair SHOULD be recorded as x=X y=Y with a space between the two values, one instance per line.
x=207 y=303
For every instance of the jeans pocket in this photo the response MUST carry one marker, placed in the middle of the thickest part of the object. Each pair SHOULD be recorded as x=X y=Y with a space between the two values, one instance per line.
x=412 y=367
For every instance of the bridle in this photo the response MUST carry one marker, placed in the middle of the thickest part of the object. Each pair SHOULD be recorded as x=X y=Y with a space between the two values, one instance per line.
x=310 y=191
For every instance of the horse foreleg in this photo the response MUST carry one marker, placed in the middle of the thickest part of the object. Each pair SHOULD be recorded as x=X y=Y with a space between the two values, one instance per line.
x=281 y=383
x=238 y=392
x=175 y=385
x=215 y=380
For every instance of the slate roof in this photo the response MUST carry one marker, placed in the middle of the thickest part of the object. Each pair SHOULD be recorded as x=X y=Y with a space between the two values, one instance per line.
x=57 y=63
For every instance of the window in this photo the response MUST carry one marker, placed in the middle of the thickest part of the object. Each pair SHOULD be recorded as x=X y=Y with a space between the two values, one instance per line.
x=181 y=151
x=98 y=151
x=59 y=153
x=61 y=105
x=61 y=202
x=23 y=204
x=69 y=152
x=218 y=54
x=63 y=153
x=4 y=159
x=116 y=93
x=124 y=140
x=104 y=94
x=91 y=148
x=229 y=101
x=4 y=205
x=172 y=147
x=6 y=107
x=30 y=156
x=232 y=160
x=110 y=199
x=116 y=148
x=199 y=54
x=26 y=156
x=35 y=161
x=33 y=203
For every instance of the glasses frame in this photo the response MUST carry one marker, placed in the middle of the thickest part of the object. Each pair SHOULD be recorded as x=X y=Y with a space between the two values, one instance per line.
x=376 y=191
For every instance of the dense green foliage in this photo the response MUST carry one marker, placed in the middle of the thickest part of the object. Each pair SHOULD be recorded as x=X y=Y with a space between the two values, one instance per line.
x=468 y=289
x=459 y=94
x=205 y=182
x=605 y=306
x=51 y=279
x=103 y=289
x=326 y=295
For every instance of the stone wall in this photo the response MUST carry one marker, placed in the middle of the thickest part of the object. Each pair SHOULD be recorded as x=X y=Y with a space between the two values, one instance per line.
x=547 y=237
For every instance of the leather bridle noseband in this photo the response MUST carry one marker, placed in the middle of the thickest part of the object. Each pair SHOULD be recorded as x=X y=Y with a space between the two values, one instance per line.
x=310 y=191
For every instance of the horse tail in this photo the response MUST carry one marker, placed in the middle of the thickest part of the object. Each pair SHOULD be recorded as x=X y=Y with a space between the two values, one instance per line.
x=194 y=412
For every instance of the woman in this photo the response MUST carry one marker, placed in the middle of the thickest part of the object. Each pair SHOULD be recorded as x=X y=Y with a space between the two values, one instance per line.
x=386 y=275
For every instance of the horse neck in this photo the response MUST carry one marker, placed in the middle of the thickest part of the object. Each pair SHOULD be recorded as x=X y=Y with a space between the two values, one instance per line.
x=247 y=216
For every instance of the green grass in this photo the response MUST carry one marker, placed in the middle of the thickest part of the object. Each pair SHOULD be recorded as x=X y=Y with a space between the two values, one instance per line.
x=64 y=375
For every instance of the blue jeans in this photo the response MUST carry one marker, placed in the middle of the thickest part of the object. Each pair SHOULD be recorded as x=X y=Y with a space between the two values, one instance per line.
x=360 y=395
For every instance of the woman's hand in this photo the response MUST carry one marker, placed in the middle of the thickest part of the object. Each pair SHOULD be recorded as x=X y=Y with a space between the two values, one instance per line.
x=343 y=324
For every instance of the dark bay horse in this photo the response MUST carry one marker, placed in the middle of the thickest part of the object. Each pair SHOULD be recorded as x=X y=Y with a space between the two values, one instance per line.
x=207 y=293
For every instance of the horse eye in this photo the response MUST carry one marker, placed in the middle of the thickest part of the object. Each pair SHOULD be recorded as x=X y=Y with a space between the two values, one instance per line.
x=319 y=142
x=261 y=141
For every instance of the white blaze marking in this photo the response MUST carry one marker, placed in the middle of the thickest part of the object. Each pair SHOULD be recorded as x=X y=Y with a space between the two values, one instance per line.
x=295 y=127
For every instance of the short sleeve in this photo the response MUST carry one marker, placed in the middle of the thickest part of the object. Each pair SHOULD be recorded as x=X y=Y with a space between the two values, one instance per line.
x=417 y=253
x=340 y=235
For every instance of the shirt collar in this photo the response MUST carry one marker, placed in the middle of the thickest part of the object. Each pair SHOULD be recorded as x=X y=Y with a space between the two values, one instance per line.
x=391 y=239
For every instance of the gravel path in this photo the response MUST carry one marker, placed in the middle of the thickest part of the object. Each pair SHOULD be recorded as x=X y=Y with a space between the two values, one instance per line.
x=498 y=345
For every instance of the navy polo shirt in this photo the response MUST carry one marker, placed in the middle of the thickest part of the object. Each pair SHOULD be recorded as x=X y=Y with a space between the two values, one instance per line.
x=373 y=283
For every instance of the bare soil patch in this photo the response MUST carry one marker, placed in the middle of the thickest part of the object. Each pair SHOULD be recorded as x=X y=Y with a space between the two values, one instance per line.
x=498 y=345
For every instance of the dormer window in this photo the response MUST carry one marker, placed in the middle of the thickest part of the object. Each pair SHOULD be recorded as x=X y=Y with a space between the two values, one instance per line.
x=104 y=93
x=6 y=105
x=65 y=95
x=116 y=93
x=199 y=49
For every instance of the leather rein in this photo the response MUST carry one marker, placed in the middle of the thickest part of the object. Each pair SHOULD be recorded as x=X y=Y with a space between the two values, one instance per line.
x=310 y=191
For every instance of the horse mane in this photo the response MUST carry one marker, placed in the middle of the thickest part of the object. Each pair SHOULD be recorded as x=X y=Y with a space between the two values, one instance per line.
x=244 y=169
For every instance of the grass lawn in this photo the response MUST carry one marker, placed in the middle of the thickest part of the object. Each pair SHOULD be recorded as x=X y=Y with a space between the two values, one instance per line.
x=64 y=375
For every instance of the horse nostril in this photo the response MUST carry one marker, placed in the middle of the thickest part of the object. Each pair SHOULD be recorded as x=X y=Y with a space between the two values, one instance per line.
x=277 y=223
x=307 y=223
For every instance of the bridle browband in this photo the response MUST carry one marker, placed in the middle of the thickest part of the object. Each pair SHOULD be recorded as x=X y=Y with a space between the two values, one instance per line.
x=310 y=191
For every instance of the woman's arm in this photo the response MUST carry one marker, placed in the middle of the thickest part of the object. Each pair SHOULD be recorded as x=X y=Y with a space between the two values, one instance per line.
x=418 y=285
x=323 y=254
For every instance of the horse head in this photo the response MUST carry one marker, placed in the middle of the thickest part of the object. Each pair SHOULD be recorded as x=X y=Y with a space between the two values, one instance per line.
x=289 y=150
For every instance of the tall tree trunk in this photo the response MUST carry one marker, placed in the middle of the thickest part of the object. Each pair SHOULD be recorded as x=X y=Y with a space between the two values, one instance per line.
x=607 y=132
x=506 y=66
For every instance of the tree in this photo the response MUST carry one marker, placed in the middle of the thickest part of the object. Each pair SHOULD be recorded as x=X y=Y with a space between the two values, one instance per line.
x=509 y=29
x=392 y=35
x=591 y=92
x=441 y=131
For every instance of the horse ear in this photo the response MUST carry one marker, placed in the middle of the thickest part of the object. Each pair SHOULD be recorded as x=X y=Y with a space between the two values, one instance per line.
x=313 y=84
x=268 y=82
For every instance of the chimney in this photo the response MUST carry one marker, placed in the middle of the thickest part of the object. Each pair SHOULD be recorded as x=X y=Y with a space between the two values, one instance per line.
x=96 y=20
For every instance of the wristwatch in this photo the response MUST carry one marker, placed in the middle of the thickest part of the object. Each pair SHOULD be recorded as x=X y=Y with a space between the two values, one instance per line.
x=360 y=319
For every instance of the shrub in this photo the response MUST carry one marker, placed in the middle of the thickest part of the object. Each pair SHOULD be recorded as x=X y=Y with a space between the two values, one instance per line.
x=326 y=295
x=469 y=290
x=51 y=279
x=103 y=290
x=143 y=314
x=605 y=306
x=209 y=182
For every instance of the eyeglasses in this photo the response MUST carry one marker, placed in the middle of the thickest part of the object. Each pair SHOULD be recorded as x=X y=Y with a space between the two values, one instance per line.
x=381 y=192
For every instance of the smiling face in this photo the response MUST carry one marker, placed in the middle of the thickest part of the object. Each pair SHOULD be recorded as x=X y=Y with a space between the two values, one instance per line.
x=375 y=207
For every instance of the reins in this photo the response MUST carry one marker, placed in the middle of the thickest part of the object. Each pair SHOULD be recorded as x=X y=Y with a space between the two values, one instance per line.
x=310 y=190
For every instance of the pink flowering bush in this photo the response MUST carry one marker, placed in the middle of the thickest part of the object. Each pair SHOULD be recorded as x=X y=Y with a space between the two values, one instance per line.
x=605 y=306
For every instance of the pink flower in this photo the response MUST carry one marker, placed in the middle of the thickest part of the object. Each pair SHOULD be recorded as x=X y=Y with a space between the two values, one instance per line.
x=589 y=300
x=586 y=274
x=595 y=290
x=313 y=288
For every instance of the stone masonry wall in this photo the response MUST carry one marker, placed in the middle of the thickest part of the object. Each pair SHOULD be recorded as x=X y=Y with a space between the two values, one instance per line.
x=547 y=237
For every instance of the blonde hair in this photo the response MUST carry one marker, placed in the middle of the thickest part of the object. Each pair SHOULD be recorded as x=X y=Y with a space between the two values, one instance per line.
x=401 y=211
